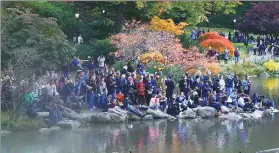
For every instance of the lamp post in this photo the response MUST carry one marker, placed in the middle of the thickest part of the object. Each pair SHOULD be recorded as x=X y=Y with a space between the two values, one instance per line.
x=77 y=16
x=234 y=20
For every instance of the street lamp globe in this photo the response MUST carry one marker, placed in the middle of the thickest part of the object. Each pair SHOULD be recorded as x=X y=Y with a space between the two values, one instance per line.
x=77 y=15
x=234 y=20
x=103 y=11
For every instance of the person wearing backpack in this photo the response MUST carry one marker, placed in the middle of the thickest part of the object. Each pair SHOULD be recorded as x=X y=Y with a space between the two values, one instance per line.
x=236 y=55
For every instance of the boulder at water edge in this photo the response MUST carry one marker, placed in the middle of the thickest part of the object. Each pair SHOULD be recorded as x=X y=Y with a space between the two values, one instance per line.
x=83 y=118
x=188 y=114
x=43 y=114
x=55 y=129
x=5 y=133
x=68 y=124
x=45 y=131
x=157 y=113
x=107 y=117
x=245 y=115
x=231 y=116
x=148 y=117
x=133 y=117
x=206 y=112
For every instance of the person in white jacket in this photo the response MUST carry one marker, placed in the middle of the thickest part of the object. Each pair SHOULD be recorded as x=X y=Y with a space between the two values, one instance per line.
x=51 y=89
x=222 y=83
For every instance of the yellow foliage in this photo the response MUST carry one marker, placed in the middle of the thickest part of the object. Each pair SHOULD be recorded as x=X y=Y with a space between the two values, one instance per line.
x=167 y=25
x=271 y=65
x=154 y=56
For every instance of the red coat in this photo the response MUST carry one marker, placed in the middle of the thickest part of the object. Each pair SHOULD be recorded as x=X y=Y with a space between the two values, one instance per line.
x=141 y=88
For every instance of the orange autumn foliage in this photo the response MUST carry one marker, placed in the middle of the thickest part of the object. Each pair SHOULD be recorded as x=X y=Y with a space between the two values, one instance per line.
x=216 y=41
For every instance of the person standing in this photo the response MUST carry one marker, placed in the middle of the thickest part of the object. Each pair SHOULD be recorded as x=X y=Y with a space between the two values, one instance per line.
x=226 y=56
x=141 y=92
x=170 y=87
x=236 y=55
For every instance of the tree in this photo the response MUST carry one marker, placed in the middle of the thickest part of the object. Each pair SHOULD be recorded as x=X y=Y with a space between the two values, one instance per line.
x=167 y=25
x=196 y=12
x=216 y=41
x=22 y=29
x=144 y=41
x=262 y=18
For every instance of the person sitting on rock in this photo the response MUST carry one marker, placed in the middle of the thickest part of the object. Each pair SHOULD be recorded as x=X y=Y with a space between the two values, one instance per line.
x=267 y=104
x=182 y=101
x=154 y=102
x=213 y=103
x=163 y=101
x=120 y=98
x=173 y=107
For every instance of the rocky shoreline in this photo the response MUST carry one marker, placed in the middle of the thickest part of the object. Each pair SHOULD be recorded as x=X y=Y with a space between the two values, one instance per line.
x=198 y=114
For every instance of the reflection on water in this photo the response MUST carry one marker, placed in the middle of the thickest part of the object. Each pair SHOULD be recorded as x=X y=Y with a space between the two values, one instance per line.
x=160 y=136
x=153 y=136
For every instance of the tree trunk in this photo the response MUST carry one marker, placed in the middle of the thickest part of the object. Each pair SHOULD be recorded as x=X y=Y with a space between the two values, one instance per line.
x=119 y=17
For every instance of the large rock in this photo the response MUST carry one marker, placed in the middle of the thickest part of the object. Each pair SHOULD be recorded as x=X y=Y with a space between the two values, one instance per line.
x=245 y=115
x=148 y=117
x=225 y=109
x=133 y=117
x=101 y=117
x=157 y=113
x=188 y=114
x=106 y=117
x=83 y=118
x=239 y=110
x=206 y=112
x=68 y=124
x=55 y=129
x=43 y=114
x=45 y=130
x=171 y=118
x=257 y=114
x=231 y=116
x=5 y=133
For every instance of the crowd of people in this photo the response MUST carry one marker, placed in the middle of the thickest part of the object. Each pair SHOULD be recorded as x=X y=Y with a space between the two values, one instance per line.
x=103 y=88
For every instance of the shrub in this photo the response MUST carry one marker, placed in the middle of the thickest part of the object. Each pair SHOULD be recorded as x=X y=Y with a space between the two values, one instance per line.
x=271 y=66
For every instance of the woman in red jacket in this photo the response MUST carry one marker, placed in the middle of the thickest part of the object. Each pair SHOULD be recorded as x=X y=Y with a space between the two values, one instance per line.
x=141 y=91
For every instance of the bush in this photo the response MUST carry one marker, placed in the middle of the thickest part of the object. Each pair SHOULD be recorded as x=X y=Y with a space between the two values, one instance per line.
x=23 y=123
x=188 y=43
x=119 y=64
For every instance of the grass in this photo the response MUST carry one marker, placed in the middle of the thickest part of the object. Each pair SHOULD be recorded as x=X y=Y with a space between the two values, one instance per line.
x=23 y=123
x=190 y=28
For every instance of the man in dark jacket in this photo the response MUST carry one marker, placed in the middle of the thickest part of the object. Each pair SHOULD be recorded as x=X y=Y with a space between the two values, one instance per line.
x=170 y=87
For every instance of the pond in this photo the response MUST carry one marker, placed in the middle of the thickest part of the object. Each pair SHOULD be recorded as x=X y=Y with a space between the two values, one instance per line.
x=160 y=136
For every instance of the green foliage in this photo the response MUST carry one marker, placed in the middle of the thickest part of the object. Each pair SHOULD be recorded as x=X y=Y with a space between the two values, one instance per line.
x=23 y=123
x=244 y=69
x=22 y=30
x=118 y=65
x=94 y=48
x=188 y=43
x=177 y=71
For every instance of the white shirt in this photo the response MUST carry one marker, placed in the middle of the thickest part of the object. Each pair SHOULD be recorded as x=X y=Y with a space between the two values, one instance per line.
x=222 y=83
x=51 y=90
x=241 y=101
x=101 y=61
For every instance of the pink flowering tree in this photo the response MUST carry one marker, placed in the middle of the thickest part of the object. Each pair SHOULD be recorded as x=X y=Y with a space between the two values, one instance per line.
x=143 y=40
